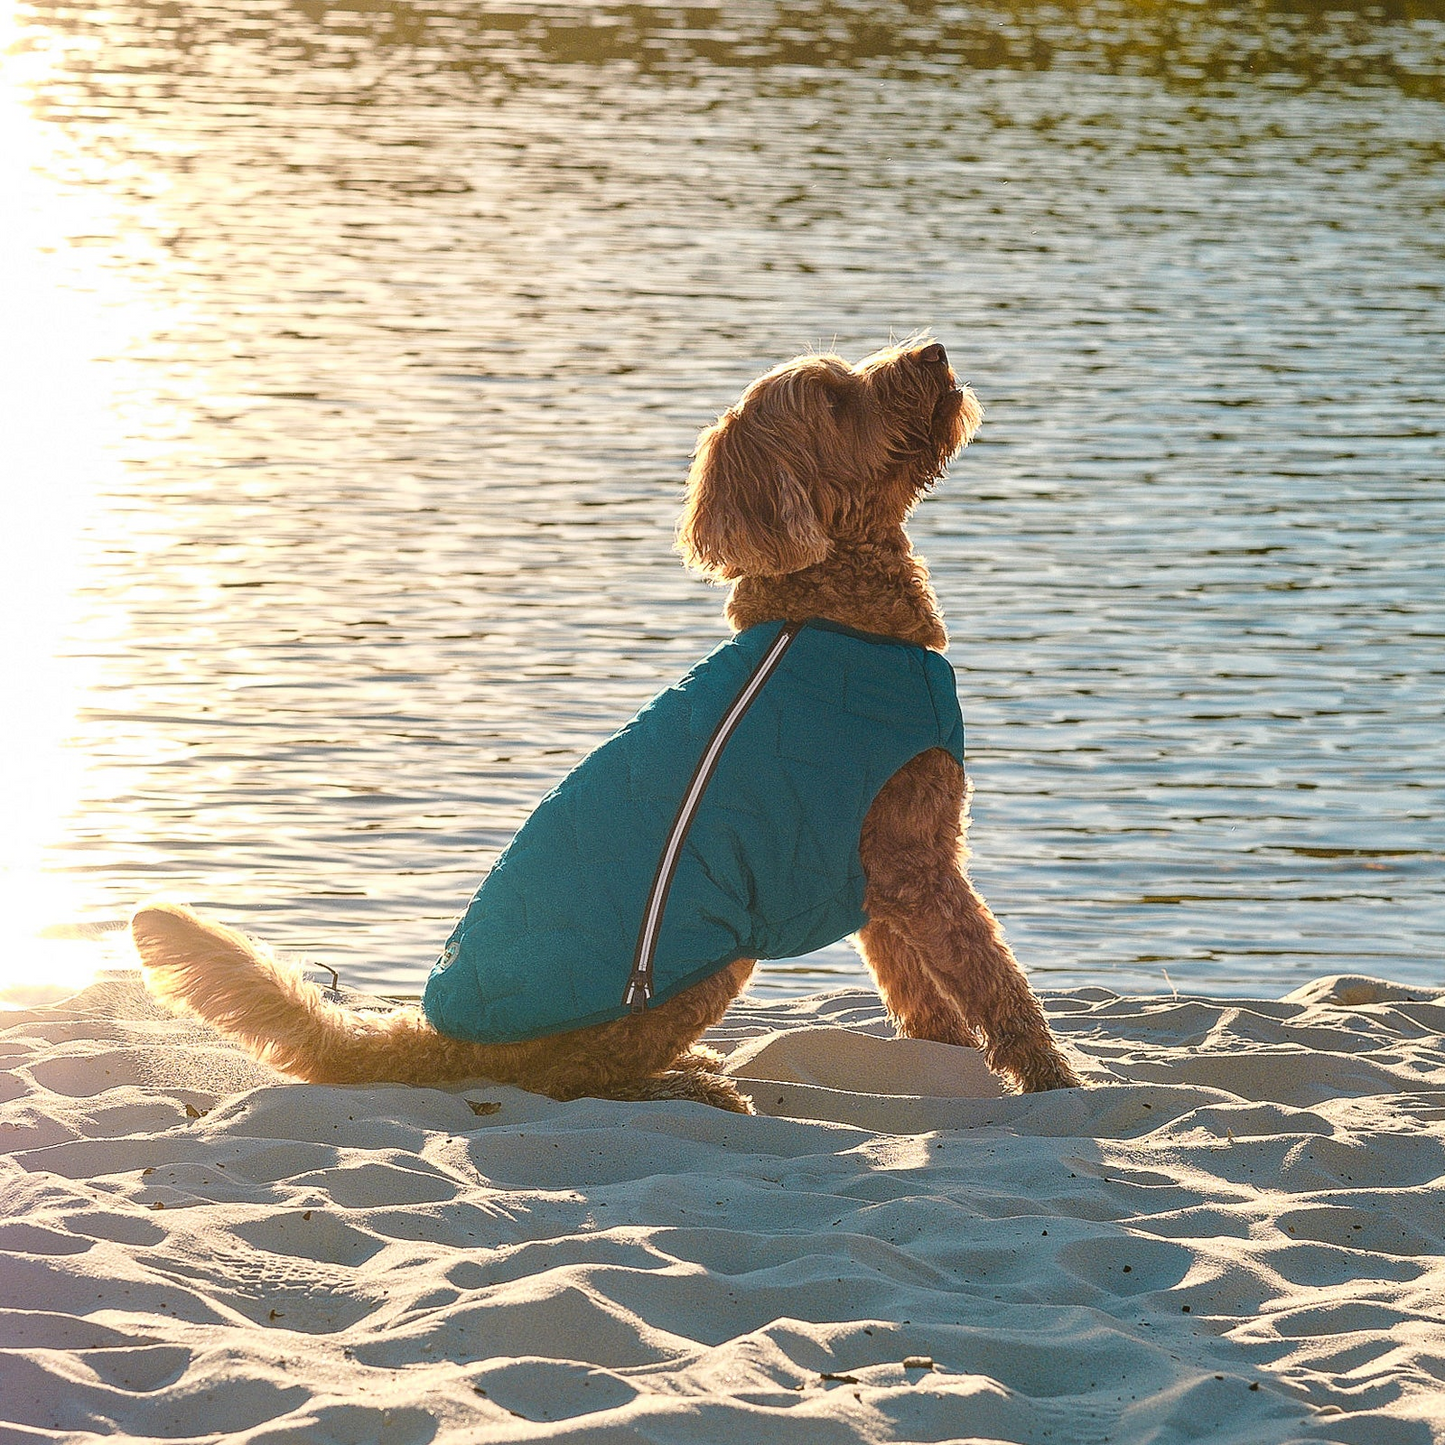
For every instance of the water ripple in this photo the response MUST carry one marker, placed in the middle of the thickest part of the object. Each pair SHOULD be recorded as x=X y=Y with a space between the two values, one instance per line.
x=439 y=296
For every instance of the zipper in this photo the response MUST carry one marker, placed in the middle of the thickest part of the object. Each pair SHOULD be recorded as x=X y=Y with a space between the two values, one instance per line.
x=639 y=982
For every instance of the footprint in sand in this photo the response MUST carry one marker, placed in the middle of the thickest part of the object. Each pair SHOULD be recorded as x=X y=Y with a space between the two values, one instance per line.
x=21 y=1238
x=80 y=1072
x=1126 y=1265
x=1375 y=1229
x=351 y=1425
x=139 y=1368
x=543 y=1390
x=375 y=1186
x=280 y=1292
x=117 y=1392
x=310 y=1234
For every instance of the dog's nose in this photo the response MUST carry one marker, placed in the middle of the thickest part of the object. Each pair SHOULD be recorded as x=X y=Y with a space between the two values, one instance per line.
x=933 y=355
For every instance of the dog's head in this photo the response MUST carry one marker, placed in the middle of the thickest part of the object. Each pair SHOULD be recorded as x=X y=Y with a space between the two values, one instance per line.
x=817 y=451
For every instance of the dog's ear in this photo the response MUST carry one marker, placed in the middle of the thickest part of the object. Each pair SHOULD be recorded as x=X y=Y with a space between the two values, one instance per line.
x=750 y=508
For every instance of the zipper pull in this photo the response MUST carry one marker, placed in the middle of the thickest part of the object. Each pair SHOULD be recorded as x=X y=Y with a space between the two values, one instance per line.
x=639 y=990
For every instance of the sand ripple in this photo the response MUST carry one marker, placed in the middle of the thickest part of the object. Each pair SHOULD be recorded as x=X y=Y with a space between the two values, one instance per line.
x=1237 y=1238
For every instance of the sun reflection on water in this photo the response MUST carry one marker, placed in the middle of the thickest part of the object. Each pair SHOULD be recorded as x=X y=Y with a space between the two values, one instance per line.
x=66 y=320
x=352 y=358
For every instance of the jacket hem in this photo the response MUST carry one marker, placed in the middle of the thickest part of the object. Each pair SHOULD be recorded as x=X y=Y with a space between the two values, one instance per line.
x=602 y=1016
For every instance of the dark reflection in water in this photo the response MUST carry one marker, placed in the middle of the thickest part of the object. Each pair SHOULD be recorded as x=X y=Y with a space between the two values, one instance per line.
x=1292 y=42
x=442 y=294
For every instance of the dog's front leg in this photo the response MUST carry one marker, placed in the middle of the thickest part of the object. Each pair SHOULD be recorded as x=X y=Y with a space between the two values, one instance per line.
x=925 y=914
x=918 y=1007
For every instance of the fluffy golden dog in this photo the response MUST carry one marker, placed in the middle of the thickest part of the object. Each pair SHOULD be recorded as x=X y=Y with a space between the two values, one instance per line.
x=797 y=496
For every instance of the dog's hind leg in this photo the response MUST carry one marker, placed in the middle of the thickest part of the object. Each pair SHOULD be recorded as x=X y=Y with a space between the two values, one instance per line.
x=695 y=1077
x=913 y=852
x=648 y=1055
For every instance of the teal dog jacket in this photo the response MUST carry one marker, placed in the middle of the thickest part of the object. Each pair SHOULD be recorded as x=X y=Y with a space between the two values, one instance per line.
x=721 y=823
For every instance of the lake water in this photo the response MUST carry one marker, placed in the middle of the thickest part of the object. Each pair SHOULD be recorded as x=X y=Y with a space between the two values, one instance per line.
x=354 y=356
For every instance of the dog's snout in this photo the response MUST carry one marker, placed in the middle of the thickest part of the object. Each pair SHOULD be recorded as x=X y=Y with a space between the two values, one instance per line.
x=933 y=355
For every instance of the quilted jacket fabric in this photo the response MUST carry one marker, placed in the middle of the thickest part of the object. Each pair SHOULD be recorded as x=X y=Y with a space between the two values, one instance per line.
x=769 y=867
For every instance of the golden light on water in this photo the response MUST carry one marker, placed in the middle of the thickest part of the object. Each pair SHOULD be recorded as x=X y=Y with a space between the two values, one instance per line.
x=63 y=314
x=347 y=365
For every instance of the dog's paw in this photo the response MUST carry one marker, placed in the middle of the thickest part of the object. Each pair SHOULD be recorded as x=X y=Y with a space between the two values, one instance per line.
x=1061 y=1077
x=1035 y=1068
x=697 y=1086
x=729 y=1097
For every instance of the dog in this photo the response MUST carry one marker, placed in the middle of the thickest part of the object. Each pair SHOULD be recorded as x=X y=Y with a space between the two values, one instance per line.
x=797 y=497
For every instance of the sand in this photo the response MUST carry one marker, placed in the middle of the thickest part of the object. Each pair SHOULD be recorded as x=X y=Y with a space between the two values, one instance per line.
x=1237 y=1236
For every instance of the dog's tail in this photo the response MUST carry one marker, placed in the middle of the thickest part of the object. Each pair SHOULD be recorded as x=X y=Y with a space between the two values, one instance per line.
x=193 y=964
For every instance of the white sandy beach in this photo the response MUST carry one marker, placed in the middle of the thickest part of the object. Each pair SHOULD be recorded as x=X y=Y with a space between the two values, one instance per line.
x=1236 y=1237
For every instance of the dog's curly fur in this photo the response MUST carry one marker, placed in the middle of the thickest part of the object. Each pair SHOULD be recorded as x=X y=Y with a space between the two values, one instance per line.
x=797 y=497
